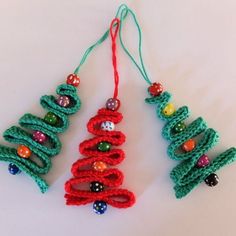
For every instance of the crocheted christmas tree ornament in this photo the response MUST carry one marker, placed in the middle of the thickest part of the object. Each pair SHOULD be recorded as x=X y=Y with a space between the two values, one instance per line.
x=94 y=168
x=41 y=141
x=189 y=143
x=186 y=147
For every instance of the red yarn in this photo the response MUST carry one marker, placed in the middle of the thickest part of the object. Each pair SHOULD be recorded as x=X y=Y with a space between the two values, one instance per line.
x=111 y=178
x=82 y=169
x=115 y=23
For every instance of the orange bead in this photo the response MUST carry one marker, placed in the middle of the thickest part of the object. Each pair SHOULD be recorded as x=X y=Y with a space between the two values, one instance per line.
x=23 y=151
x=99 y=166
x=189 y=145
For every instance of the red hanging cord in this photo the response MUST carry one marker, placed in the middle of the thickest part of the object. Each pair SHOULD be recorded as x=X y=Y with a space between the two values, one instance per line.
x=115 y=24
x=83 y=170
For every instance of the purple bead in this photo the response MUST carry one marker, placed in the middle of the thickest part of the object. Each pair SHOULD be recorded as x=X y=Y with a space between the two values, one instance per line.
x=39 y=137
x=203 y=161
x=113 y=104
x=63 y=101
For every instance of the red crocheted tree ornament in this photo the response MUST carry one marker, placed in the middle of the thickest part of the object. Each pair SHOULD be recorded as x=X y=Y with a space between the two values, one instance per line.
x=111 y=177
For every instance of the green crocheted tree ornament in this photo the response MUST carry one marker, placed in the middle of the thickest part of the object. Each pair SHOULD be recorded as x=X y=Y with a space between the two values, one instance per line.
x=189 y=143
x=41 y=141
x=187 y=146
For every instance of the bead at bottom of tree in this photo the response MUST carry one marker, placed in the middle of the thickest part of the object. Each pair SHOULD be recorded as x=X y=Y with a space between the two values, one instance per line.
x=99 y=207
x=212 y=180
x=13 y=169
x=96 y=187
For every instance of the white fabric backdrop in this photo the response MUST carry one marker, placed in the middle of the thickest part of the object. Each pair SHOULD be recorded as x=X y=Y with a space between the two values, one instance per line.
x=190 y=46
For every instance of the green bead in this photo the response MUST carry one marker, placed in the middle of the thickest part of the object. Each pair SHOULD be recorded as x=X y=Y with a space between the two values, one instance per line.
x=104 y=146
x=51 y=118
x=180 y=127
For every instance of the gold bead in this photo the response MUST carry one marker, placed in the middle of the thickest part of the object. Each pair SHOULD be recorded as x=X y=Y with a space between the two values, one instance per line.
x=169 y=109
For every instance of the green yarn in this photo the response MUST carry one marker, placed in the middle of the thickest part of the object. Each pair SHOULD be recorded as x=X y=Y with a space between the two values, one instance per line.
x=142 y=68
x=18 y=135
x=120 y=12
x=10 y=155
x=186 y=175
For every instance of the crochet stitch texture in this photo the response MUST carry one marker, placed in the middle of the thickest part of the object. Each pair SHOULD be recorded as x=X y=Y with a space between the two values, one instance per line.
x=44 y=153
x=186 y=176
x=111 y=178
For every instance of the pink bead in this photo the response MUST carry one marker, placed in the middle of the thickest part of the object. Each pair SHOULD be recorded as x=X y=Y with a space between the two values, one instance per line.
x=63 y=101
x=113 y=104
x=39 y=137
x=203 y=161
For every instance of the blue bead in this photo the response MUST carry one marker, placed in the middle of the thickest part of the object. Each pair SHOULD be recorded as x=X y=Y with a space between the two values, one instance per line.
x=13 y=169
x=99 y=207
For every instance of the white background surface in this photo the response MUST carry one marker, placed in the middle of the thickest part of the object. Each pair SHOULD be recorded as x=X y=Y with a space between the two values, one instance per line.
x=190 y=46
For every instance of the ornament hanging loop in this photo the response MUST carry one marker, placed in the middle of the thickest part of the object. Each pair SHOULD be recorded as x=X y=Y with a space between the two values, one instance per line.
x=114 y=29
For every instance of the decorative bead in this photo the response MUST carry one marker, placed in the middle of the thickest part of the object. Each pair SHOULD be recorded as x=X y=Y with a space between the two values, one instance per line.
x=39 y=137
x=104 y=146
x=13 y=169
x=96 y=187
x=180 y=127
x=99 y=207
x=73 y=79
x=107 y=126
x=51 y=118
x=189 y=145
x=63 y=101
x=155 y=89
x=212 y=180
x=203 y=161
x=99 y=166
x=169 y=110
x=23 y=151
x=113 y=104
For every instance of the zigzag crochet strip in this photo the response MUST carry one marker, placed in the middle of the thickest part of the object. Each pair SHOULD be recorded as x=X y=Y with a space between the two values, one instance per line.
x=18 y=135
x=82 y=172
x=187 y=175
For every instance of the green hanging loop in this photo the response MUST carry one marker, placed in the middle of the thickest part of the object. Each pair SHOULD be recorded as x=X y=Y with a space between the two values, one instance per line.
x=142 y=67
x=122 y=8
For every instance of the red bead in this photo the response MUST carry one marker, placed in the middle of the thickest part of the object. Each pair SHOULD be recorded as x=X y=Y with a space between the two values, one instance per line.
x=203 y=161
x=73 y=79
x=23 y=151
x=155 y=89
x=189 y=145
x=39 y=137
